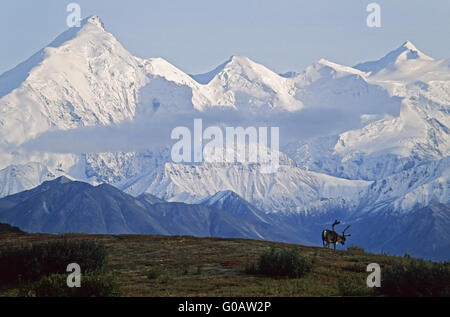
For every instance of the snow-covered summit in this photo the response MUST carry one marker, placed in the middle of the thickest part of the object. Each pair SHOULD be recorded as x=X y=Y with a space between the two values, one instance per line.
x=84 y=77
x=246 y=85
x=406 y=52
x=94 y=20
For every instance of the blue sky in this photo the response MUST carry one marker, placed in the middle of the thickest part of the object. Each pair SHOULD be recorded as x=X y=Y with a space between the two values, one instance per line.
x=198 y=35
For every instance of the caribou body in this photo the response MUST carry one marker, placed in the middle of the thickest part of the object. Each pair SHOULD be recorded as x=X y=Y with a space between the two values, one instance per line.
x=331 y=236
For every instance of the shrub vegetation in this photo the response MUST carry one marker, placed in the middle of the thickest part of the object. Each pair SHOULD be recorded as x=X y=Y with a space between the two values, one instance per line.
x=416 y=278
x=55 y=285
x=284 y=263
x=31 y=263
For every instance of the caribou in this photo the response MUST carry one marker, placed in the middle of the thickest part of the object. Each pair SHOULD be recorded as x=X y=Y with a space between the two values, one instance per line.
x=331 y=236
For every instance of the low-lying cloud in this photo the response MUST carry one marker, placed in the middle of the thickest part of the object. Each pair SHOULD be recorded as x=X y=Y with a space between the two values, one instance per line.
x=150 y=132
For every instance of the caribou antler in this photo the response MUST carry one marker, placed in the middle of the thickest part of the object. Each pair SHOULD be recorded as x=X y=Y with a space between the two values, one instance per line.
x=343 y=232
x=336 y=222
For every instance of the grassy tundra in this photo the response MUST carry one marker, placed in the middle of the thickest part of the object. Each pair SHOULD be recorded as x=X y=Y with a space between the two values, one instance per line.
x=153 y=265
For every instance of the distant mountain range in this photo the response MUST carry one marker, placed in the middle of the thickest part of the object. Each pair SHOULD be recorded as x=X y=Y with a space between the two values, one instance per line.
x=369 y=144
x=62 y=205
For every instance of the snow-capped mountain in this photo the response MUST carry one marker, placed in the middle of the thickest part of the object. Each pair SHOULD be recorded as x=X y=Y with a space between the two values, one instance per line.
x=327 y=85
x=84 y=77
x=17 y=178
x=249 y=86
x=290 y=189
x=380 y=139
x=393 y=60
x=412 y=188
x=413 y=84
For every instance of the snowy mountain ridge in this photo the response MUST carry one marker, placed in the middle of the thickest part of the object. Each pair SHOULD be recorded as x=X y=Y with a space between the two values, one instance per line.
x=394 y=116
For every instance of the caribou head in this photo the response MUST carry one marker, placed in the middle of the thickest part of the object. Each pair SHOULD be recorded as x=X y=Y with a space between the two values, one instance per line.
x=342 y=238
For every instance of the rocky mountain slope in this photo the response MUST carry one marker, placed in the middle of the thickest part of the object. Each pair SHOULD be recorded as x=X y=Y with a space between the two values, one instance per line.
x=62 y=205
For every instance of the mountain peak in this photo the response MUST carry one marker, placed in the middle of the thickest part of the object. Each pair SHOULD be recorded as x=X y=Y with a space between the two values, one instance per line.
x=406 y=52
x=220 y=196
x=226 y=194
x=410 y=46
x=232 y=62
x=93 y=20
x=59 y=180
x=238 y=59
x=13 y=78
x=324 y=67
x=326 y=63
